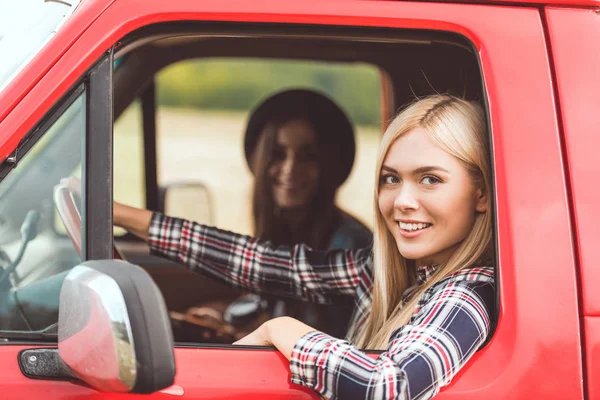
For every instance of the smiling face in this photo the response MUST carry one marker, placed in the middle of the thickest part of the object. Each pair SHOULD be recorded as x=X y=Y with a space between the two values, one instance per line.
x=427 y=198
x=294 y=170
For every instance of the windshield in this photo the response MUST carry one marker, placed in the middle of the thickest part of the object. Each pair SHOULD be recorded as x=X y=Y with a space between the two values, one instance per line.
x=25 y=27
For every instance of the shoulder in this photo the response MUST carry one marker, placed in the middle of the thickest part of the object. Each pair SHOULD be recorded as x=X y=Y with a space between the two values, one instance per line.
x=350 y=233
x=478 y=274
x=475 y=285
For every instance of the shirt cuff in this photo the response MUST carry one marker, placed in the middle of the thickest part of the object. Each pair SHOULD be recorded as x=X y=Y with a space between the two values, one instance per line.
x=305 y=354
x=164 y=235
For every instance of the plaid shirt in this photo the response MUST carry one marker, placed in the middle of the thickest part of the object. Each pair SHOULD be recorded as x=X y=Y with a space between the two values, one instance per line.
x=451 y=321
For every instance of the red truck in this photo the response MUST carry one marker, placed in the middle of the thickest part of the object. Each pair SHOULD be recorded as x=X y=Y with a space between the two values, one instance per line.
x=69 y=68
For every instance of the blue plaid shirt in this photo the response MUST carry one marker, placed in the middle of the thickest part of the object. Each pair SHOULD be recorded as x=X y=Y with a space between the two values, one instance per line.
x=452 y=319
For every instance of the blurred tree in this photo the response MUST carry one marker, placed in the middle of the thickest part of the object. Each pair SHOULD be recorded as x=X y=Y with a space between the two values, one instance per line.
x=240 y=84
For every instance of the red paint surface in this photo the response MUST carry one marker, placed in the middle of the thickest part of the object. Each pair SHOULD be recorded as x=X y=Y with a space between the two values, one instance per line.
x=576 y=50
x=564 y=3
x=592 y=350
x=81 y=19
x=536 y=351
x=201 y=374
x=575 y=38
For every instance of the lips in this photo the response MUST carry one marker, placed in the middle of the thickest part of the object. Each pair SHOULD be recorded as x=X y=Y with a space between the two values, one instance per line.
x=413 y=229
x=289 y=186
x=413 y=226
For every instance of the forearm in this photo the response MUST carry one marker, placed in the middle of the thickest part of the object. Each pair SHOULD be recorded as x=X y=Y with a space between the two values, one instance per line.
x=284 y=332
x=134 y=220
x=243 y=261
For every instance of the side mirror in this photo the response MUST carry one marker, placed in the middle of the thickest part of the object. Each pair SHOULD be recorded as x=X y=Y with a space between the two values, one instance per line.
x=189 y=200
x=113 y=329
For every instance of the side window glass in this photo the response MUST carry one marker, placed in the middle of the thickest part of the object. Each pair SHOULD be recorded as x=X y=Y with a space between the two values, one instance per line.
x=128 y=179
x=35 y=251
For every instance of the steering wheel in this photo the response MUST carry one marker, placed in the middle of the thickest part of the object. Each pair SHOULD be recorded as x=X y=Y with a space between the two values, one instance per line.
x=65 y=195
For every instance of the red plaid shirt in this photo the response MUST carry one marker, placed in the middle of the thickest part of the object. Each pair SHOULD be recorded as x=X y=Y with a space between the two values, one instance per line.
x=451 y=321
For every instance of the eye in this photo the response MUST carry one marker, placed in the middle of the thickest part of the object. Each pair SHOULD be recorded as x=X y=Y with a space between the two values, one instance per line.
x=307 y=155
x=430 y=180
x=389 y=179
x=278 y=154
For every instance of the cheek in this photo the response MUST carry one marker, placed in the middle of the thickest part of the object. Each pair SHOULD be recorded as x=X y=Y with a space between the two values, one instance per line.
x=385 y=202
x=312 y=173
x=459 y=213
x=273 y=171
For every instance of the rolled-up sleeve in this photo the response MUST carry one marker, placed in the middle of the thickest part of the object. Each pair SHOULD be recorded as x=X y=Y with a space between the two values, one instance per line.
x=250 y=263
x=420 y=358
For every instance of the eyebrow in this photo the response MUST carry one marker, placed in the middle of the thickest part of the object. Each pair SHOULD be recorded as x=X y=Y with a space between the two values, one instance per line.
x=420 y=170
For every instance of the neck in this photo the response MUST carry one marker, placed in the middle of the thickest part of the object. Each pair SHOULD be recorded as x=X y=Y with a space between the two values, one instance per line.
x=293 y=218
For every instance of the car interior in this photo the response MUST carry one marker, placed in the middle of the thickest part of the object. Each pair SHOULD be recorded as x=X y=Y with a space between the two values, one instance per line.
x=410 y=64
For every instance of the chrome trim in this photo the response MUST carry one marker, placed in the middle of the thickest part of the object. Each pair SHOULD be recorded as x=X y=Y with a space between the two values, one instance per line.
x=86 y=290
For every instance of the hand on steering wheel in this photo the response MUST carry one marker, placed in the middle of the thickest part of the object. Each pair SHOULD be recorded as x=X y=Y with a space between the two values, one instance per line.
x=66 y=194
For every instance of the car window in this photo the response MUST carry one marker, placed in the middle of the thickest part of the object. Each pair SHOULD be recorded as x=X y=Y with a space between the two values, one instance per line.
x=209 y=171
x=32 y=251
x=128 y=177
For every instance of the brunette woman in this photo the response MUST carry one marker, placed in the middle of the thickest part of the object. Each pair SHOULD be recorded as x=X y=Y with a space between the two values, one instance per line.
x=300 y=148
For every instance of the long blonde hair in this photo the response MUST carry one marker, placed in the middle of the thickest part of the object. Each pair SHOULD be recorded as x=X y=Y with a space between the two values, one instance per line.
x=457 y=127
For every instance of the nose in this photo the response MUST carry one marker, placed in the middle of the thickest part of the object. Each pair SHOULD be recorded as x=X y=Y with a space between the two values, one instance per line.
x=290 y=165
x=406 y=199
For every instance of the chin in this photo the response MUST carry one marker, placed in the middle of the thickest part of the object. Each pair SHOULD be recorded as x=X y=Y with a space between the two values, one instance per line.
x=289 y=205
x=411 y=253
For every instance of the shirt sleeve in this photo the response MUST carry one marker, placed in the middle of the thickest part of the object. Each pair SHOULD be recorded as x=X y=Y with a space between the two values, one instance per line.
x=250 y=263
x=420 y=358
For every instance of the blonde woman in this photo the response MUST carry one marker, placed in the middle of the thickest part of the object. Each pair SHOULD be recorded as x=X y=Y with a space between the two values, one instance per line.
x=424 y=294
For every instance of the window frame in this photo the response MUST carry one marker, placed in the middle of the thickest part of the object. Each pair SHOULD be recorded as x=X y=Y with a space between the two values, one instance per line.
x=389 y=96
x=98 y=168
x=96 y=85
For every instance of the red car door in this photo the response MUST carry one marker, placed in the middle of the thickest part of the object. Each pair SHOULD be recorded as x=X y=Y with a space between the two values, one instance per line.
x=576 y=57
x=538 y=312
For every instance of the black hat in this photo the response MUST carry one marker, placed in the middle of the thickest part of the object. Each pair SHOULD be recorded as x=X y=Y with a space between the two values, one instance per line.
x=334 y=130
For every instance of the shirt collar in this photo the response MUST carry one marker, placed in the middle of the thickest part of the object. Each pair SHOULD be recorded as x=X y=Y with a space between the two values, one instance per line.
x=424 y=272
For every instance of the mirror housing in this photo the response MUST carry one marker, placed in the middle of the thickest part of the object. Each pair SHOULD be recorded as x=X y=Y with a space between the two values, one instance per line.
x=188 y=200
x=114 y=332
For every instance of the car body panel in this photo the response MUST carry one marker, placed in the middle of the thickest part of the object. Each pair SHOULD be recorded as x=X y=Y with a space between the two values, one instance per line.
x=576 y=54
x=561 y=3
x=520 y=361
x=592 y=356
x=82 y=18
x=576 y=62
x=269 y=382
